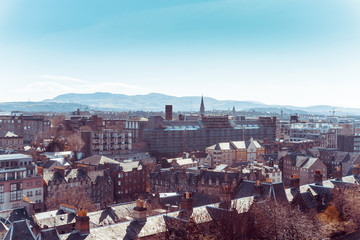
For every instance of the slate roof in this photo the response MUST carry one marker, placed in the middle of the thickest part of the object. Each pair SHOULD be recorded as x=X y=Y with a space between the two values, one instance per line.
x=19 y=230
x=275 y=191
x=96 y=176
x=17 y=214
x=308 y=199
x=49 y=163
x=152 y=226
x=48 y=234
x=70 y=175
x=97 y=160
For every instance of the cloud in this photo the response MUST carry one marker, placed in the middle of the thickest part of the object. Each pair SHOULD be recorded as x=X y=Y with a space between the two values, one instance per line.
x=63 y=78
x=62 y=84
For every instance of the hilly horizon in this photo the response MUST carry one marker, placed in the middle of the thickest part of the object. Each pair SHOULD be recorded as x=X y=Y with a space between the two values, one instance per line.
x=156 y=102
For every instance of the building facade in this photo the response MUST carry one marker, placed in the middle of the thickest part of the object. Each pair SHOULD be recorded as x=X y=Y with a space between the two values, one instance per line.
x=235 y=151
x=18 y=178
x=166 y=137
x=106 y=142
x=28 y=127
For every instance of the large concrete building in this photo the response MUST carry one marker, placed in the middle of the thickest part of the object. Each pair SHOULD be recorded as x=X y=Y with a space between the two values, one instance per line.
x=167 y=137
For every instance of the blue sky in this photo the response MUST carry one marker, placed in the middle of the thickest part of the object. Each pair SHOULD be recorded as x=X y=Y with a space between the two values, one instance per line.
x=290 y=52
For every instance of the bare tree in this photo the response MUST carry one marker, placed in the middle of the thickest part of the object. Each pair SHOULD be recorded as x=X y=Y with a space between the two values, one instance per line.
x=75 y=143
x=57 y=125
x=77 y=197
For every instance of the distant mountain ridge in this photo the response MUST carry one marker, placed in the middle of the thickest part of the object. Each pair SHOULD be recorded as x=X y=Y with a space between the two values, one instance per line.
x=157 y=102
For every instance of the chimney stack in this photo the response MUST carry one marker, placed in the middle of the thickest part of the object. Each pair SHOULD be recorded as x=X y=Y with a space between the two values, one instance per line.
x=295 y=182
x=168 y=112
x=257 y=188
x=82 y=222
x=140 y=211
x=225 y=197
x=356 y=170
x=318 y=177
x=338 y=173
x=186 y=205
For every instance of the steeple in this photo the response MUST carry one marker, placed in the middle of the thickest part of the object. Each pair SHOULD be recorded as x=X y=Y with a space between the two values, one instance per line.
x=202 y=107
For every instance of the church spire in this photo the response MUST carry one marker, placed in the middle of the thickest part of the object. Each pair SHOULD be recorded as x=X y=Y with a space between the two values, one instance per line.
x=202 y=107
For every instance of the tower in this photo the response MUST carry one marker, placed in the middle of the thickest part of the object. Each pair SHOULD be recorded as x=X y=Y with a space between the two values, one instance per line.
x=202 y=107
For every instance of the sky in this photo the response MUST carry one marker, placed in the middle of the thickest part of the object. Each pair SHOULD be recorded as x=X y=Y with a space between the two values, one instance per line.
x=287 y=52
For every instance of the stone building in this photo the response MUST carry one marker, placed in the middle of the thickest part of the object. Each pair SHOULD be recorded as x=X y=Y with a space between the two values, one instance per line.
x=235 y=151
x=11 y=141
x=96 y=187
x=28 y=127
x=303 y=166
x=128 y=177
x=202 y=181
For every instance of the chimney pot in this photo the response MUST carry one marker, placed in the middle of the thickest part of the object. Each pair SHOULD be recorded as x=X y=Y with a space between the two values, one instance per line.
x=82 y=222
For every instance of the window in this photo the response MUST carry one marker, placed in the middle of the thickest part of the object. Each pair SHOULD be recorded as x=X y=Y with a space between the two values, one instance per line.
x=15 y=191
x=119 y=175
x=119 y=183
x=2 y=194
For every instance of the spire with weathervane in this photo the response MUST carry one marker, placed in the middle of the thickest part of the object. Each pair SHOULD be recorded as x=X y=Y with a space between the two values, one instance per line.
x=202 y=107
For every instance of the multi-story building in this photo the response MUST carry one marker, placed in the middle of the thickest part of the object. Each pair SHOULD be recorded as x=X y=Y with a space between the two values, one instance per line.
x=235 y=151
x=62 y=184
x=136 y=127
x=129 y=180
x=349 y=143
x=324 y=133
x=29 y=127
x=11 y=140
x=18 y=178
x=106 y=142
x=129 y=177
x=169 y=137
x=203 y=181
x=302 y=166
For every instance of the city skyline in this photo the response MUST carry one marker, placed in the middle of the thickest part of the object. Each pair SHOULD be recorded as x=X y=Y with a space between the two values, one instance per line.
x=299 y=53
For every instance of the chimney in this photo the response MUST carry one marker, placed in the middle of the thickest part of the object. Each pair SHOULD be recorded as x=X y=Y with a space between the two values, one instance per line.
x=318 y=177
x=356 y=170
x=225 y=197
x=168 y=112
x=140 y=210
x=295 y=182
x=257 y=188
x=338 y=173
x=187 y=204
x=82 y=222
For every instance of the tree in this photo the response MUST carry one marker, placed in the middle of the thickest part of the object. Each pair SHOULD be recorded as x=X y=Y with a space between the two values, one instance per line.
x=75 y=143
x=343 y=215
x=77 y=197
x=57 y=125
x=56 y=145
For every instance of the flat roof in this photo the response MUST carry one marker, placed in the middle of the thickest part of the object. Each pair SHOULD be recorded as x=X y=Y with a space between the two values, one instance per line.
x=14 y=156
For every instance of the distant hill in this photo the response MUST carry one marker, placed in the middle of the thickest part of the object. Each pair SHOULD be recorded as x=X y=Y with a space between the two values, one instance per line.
x=38 y=107
x=156 y=102
x=150 y=102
